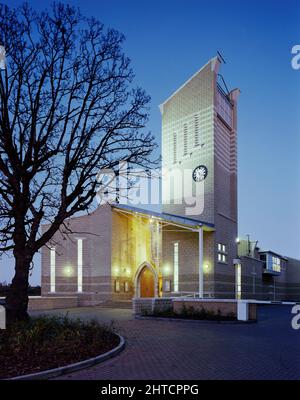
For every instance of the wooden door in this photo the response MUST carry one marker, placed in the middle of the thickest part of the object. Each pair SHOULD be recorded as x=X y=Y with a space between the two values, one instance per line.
x=147 y=283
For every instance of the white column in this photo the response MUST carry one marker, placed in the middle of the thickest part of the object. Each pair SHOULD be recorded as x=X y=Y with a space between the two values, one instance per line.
x=176 y=266
x=79 y=265
x=52 y=270
x=201 y=263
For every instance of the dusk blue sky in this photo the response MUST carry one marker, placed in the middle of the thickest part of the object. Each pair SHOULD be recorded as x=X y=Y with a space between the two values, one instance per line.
x=169 y=40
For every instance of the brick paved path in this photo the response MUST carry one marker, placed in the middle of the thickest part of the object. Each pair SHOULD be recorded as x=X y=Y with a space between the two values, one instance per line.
x=269 y=349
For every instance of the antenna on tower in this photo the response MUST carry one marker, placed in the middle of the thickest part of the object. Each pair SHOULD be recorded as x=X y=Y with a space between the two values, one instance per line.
x=222 y=58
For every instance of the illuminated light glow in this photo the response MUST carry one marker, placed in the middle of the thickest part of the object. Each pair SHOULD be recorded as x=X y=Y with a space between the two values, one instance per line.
x=52 y=270
x=116 y=270
x=176 y=267
x=79 y=265
x=166 y=270
x=237 y=240
x=68 y=271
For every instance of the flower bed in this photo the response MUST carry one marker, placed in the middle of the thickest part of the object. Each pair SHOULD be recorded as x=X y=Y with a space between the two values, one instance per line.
x=49 y=342
x=191 y=313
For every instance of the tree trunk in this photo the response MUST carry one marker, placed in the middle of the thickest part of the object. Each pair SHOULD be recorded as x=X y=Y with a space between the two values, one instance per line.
x=17 y=297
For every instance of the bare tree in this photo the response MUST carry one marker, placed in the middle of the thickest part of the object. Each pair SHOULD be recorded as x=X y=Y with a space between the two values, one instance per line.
x=68 y=109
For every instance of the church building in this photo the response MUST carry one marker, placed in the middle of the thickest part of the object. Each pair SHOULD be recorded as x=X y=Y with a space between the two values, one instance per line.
x=190 y=248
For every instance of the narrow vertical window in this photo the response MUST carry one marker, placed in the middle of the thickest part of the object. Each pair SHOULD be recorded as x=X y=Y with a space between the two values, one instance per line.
x=126 y=287
x=175 y=267
x=185 y=139
x=167 y=286
x=174 y=147
x=238 y=281
x=196 y=130
x=79 y=265
x=52 y=270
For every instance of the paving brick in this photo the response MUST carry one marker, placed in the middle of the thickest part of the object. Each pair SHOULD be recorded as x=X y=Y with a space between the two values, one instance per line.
x=176 y=350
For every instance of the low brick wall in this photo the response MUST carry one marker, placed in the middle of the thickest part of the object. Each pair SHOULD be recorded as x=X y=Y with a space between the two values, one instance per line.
x=252 y=311
x=142 y=305
x=51 y=303
x=225 y=307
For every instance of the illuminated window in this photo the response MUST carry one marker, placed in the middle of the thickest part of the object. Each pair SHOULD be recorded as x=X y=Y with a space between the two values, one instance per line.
x=238 y=281
x=175 y=267
x=272 y=262
x=79 y=265
x=222 y=253
x=185 y=140
x=174 y=147
x=196 y=121
x=52 y=270
x=117 y=285
x=155 y=230
x=276 y=264
x=126 y=287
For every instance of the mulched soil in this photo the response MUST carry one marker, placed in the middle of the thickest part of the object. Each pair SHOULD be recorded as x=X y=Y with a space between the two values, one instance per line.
x=51 y=355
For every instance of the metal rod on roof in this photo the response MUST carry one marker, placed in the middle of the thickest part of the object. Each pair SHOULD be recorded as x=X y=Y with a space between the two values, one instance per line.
x=222 y=58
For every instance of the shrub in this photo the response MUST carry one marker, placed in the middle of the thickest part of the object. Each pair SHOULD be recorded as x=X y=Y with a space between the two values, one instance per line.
x=191 y=313
x=49 y=342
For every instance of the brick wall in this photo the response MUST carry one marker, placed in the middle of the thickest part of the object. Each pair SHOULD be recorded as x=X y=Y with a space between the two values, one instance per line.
x=95 y=230
x=51 y=303
x=148 y=306
x=188 y=253
x=199 y=98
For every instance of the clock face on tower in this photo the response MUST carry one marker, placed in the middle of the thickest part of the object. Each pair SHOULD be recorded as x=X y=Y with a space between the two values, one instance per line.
x=200 y=173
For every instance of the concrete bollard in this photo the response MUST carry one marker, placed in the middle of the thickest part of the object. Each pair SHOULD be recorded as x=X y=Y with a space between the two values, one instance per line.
x=242 y=310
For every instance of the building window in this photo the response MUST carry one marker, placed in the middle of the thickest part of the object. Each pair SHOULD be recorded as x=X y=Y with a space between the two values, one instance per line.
x=126 y=287
x=117 y=286
x=175 y=267
x=155 y=230
x=174 y=147
x=276 y=264
x=222 y=253
x=238 y=281
x=185 y=140
x=196 y=121
x=167 y=285
x=271 y=262
x=224 y=108
x=52 y=270
x=79 y=265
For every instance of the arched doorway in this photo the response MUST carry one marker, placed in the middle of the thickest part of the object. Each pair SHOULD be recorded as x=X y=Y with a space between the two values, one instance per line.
x=146 y=281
